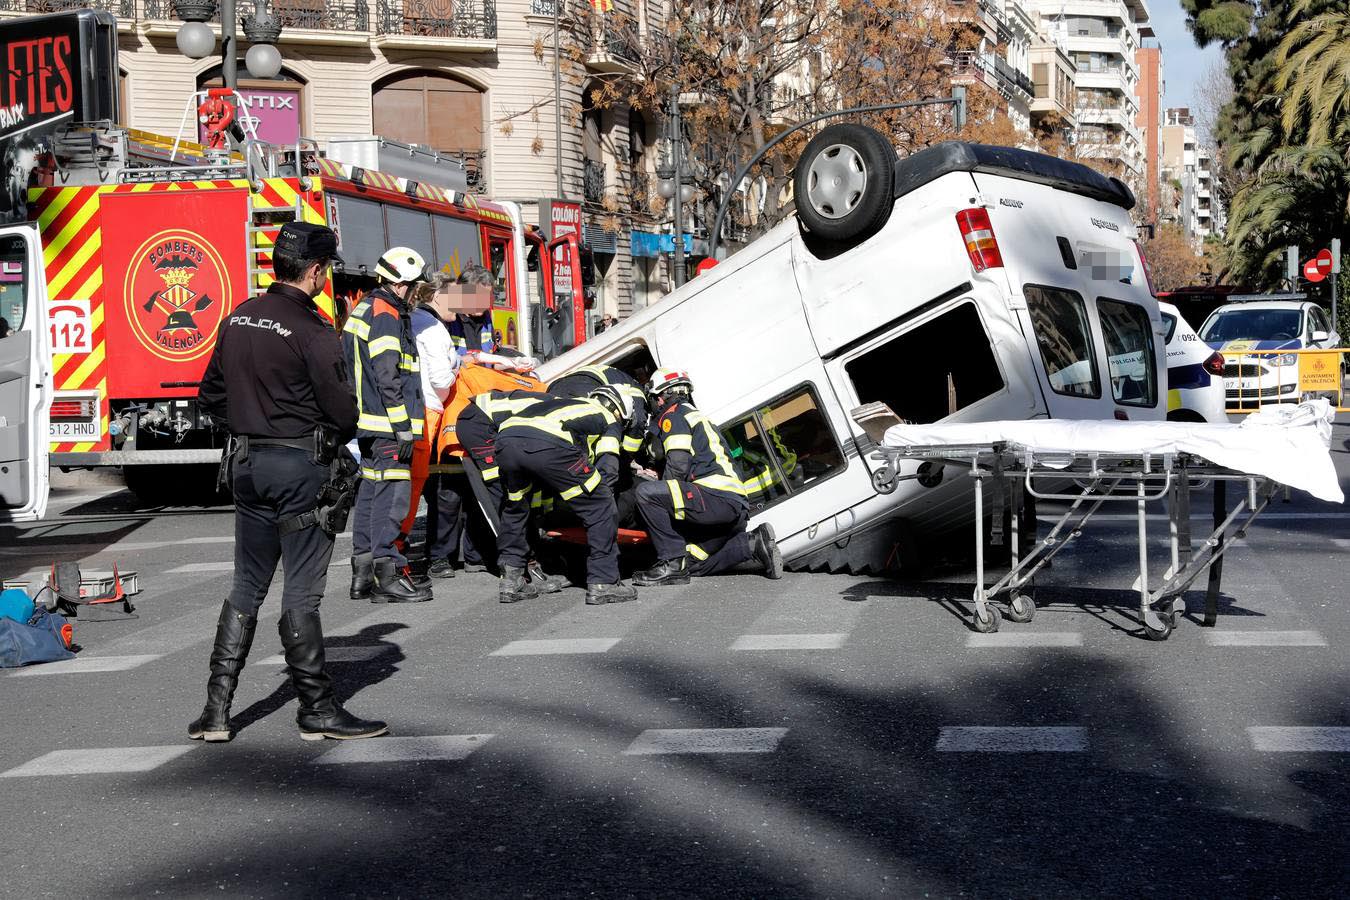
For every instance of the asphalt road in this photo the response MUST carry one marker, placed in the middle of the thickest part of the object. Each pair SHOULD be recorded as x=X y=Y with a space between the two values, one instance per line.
x=817 y=736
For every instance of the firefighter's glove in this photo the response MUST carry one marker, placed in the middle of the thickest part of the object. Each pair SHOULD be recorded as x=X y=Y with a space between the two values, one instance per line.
x=406 y=443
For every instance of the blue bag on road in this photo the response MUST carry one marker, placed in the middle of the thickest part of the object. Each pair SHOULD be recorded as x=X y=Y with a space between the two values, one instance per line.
x=16 y=604
x=38 y=640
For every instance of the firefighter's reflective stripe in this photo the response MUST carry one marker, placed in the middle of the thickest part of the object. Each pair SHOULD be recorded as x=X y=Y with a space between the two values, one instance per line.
x=554 y=423
x=585 y=487
x=683 y=442
x=541 y=502
x=370 y=474
x=355 y=325
x=409 y=363
x=490 y=473
x=607 y=444
x=372 y=422
x=696 y=551
x=387 y=344
x=761 y=482
x=632 y=443
x=517 y=496
x=717 y=482
x=676 y=498
x=499 y=409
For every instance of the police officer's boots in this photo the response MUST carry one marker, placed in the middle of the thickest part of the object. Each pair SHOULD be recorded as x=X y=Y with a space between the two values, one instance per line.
x=363 y=575
x=234 y=637
x=764 y=548
x=544 y=582
x=597 y=594
x=320 y=715
x=397 y=585
x=667 y=571
x=514 y=586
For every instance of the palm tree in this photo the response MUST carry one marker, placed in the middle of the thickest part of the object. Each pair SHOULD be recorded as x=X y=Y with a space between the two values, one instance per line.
x=1314 y=67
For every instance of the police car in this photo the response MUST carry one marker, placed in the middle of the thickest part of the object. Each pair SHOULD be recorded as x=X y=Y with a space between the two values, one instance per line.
x=1253 y=379
x=1195 y=391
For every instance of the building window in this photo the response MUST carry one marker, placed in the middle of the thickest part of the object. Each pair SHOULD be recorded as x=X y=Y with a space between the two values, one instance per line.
x=783 y=448
x=938 y=382
x=1060 y=321
x=433 y=110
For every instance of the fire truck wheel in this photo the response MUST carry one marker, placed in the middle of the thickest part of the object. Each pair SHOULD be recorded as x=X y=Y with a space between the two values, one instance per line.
x=844 y=183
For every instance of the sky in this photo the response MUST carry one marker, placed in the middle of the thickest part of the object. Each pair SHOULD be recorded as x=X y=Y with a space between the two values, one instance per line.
x=1184 y=64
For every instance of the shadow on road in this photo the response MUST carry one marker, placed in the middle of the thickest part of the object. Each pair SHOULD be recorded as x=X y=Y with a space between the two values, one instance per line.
x=856 y=802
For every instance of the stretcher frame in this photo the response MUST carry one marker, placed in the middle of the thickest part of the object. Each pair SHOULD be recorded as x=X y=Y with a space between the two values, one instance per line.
x=1102 y=478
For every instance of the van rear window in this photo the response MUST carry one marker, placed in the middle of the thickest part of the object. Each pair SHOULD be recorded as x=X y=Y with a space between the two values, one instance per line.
x=1129 y=352
x=1060 y=320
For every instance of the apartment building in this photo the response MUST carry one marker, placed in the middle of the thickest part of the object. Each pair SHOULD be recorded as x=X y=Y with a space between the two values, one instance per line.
x=1187 y=172
x=1001 y=58
x=471 y=78
x=1102 y=38
x=1149 y=93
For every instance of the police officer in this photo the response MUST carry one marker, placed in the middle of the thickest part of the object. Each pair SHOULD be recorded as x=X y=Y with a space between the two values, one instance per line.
x=548 y=445
x=277 y=376
x=698 y=510
x=379 y=344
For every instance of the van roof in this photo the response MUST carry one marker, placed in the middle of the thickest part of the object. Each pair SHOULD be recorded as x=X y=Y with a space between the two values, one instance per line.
x=932 y=163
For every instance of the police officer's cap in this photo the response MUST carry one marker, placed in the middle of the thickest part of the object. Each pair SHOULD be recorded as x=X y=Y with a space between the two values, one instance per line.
x=305 y=240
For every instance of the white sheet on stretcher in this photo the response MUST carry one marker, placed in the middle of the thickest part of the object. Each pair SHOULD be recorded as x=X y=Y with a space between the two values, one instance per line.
x=1286 y=444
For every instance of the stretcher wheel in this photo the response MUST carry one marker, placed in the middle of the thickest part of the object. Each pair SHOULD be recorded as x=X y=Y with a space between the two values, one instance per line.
x=1169 y=621
x=987 y=625
x=1021 y=609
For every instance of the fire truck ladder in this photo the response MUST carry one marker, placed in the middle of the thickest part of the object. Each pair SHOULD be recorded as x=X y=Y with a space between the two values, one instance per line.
x=264 y=222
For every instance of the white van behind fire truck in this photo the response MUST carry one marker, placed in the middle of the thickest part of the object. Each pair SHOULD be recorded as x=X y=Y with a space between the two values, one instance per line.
x=963 y=283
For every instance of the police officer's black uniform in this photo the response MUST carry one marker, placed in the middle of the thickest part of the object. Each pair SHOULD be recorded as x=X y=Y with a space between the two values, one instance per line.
x=277 y=376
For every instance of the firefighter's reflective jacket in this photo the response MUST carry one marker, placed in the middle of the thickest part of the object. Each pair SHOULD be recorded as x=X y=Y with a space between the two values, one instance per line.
x=680 y=427
x=583 y=380
x=575 y=420
x=377 y=338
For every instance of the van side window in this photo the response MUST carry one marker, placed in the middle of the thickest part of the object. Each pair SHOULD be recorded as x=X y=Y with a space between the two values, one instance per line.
x=947 y=364
x=783 y=447
x=1129 y=352
x=1060 y=320
x=1170 y=323
x=636 y=361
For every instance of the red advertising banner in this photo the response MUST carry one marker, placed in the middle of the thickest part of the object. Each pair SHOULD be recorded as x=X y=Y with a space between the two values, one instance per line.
x=273 y=112
x=175 y=265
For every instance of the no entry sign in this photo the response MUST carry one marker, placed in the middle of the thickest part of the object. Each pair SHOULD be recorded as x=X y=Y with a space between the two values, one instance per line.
x=1319 y=267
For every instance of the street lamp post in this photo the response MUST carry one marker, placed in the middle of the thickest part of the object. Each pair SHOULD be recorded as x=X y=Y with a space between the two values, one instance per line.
x=262 y=29
x=673 y=188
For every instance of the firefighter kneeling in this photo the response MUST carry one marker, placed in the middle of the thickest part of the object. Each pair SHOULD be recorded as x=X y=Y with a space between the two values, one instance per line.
x=696 y=515
x=546 y=445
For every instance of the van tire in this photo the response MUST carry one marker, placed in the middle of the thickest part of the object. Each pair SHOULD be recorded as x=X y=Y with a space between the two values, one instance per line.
x=844 y=185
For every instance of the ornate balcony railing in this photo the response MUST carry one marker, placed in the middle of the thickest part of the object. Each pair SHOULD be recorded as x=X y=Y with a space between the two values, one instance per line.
x=123 y=9
x=438 y=18
x=592 y=181
x=546 y=7
x=314 y=15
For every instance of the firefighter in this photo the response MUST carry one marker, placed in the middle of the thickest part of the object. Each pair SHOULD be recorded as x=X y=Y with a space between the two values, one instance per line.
x=476 y=430
x=548 y=445
x=580 y=382
x=278 y=378
x=378 y=341
x=698 y=510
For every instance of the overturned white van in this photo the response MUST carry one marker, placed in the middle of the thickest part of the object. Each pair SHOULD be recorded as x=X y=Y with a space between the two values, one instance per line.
x=963 y=283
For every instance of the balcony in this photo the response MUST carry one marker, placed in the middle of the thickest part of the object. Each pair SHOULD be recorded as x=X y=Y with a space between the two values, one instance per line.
x=592 y=181
x=302 y=21
x=125 y=10
x=442 y=24
x=994 y=71
x=611 y=42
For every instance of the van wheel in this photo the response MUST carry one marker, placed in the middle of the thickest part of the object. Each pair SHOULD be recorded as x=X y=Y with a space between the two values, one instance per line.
x=844 y=183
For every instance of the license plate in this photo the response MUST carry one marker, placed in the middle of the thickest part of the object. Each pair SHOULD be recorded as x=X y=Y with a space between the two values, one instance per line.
x=74 y=431
x=1242 y=384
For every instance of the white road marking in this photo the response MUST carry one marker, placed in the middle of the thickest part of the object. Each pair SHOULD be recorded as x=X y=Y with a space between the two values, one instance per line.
x=357 y=653
x=97 y=761
x=556 y=646
x=84 y=664
x=656 y=741
x=1296 y=739
x=404 y=749
x=1026 y=639
x=202 y=567
x=1265 y=639
x=1012 y=739
x=789 y=642
x=1343 y=543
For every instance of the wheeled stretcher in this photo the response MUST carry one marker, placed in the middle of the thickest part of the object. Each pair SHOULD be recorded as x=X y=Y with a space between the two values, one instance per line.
x=1091 y=464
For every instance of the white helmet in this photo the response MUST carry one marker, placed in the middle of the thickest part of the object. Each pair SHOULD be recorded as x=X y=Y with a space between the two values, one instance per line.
x=615 y=400
x=664 y=379
x=400 y=265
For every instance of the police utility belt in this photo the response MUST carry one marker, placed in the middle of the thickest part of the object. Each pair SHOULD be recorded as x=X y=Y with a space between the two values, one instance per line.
x=336 y=496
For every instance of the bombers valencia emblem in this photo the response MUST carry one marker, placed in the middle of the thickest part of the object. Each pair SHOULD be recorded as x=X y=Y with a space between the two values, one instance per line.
x=176 y=293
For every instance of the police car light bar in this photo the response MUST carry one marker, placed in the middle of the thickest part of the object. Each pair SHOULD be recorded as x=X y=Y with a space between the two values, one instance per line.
x=978 y=233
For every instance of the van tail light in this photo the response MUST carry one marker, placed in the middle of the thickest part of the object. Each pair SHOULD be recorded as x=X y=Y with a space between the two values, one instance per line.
x=978 y=233
x=1143 y=261
x=1214 y=365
